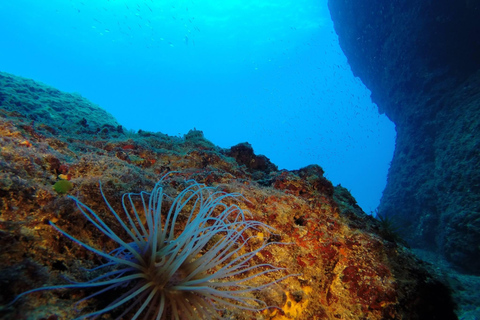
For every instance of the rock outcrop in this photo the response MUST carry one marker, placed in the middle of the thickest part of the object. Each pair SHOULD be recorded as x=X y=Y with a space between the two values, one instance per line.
x=421 y=61
x=343 y=265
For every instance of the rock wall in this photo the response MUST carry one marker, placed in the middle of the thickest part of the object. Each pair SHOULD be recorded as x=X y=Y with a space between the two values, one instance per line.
x=421 y=60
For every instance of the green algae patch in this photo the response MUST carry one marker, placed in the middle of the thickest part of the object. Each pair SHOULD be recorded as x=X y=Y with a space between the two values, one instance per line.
x=63 y=186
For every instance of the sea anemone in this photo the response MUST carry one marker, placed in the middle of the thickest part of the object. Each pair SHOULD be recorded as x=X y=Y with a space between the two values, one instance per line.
x=192 y=259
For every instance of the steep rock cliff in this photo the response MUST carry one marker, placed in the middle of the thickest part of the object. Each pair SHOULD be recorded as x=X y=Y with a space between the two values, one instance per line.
x=421 y=60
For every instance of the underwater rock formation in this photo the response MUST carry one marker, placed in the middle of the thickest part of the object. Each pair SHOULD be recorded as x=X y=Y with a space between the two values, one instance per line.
x=421 y=61
x=344 y=268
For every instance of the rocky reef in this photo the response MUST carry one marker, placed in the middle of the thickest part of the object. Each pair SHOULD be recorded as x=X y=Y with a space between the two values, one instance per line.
x=421 y=61
x=55 y=144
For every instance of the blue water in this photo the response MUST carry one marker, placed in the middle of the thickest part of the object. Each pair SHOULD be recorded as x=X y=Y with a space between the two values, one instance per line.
x=269 y=72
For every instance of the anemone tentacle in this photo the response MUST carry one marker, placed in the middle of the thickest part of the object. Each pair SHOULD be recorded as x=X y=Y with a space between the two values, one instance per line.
x=167 y=269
